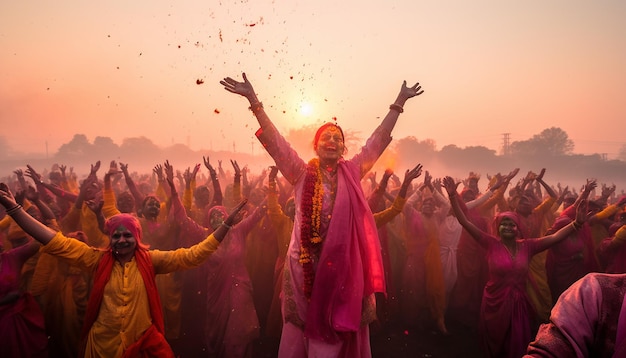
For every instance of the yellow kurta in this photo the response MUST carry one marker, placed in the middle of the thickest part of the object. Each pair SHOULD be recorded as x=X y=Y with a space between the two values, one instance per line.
x=125 y=313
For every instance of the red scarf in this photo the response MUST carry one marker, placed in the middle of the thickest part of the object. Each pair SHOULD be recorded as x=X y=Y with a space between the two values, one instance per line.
x=101 y=278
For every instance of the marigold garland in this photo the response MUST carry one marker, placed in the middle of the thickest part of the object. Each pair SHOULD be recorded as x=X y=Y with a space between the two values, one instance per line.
x=311 y=208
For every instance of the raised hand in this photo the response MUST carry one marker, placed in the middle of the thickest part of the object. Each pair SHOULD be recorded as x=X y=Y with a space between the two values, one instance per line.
x=582 y=212
x=241 y=88
x=195 y=171
x=6 y=197
x=169 y=171
x=94 y=168
x=428 y=180
x=208 y=165
x=236 y=215
x=411 y=174
x=158 y=170
x=32 y=173
x=589 y=186
x=124 y=168
x=539 y=176
x=235 y=167
x=607 y=190
x=511 y=175
x=409 y=92
x=450 y=185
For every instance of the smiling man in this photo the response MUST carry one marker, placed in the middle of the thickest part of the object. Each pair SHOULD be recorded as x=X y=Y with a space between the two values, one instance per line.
x=124 y=315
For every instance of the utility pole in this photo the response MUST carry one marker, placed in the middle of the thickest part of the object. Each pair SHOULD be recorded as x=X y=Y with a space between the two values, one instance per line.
x=506 y=144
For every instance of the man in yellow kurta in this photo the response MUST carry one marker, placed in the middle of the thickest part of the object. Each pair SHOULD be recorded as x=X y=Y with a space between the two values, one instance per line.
x=124 y=314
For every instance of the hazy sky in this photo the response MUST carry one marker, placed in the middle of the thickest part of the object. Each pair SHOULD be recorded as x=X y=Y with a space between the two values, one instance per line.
x=129 y=68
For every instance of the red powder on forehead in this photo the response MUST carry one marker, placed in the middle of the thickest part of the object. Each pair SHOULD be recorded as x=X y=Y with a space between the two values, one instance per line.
x=321 y=129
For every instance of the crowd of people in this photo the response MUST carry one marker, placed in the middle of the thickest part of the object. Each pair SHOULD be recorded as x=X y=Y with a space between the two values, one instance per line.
x=313 y=255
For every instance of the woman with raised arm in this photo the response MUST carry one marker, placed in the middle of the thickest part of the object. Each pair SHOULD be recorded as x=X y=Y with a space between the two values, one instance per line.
x=124 y=316
x=506 y=312
x=333 y=266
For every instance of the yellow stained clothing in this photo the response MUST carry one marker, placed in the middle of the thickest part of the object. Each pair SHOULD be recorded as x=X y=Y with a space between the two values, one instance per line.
x=537 y=285
x=91 y=228
x=71 y=221
x=188 y=195
x=283 y=226
x=598 y=231
x=197 y=214
x=109 y=208
x=383 y=217
x=124 y=313
x=620 y=234
x=282 y=223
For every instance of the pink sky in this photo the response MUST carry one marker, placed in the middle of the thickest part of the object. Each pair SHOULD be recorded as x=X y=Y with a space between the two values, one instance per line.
x=125 y=69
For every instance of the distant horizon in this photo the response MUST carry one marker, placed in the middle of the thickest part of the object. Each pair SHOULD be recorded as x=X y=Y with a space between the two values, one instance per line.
x=120 y=69
x=252 y=143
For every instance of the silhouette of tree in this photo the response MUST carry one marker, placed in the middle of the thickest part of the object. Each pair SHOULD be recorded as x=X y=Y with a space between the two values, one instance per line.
x=406 y=152
x=551 y=141
x=78 y=146
x=104 y=146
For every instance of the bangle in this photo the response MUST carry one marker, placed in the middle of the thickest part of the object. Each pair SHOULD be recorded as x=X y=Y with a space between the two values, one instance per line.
x=396 y=107
x=256 y=106
x=226 y=225
x=14 y=209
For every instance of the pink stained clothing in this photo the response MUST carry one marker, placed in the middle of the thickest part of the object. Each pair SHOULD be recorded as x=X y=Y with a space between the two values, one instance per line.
x=534 y=225
x=507 y=314
x=350 y=268
x=423 y=284
x=472 y=274
x=588 y=320
x=22 y=330
x=569 y=260
x=227 y=315
x=613 y=251
x=232 y=322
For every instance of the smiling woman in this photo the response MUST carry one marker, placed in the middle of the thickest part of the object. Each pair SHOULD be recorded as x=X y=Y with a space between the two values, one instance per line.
x=334 y=247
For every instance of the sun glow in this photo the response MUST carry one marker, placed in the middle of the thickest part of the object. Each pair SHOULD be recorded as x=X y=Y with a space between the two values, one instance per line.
x=306 y=109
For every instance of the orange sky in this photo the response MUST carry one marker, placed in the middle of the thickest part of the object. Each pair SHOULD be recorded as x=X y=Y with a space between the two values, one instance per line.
x=125 y=69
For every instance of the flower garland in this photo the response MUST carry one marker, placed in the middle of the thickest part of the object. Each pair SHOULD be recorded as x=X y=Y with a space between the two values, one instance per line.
x=311 y=207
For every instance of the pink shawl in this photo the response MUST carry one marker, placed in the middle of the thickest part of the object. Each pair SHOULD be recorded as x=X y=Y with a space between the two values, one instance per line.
x=350 y=266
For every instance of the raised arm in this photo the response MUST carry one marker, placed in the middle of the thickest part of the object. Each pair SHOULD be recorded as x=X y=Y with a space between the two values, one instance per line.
x=29 y=224
x=245 y=89
x=385 y=216
x=547 y=187
x=217 y=189
x=397 y=106
x=451 y=187
x=132 y=187
x=582 y=216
